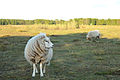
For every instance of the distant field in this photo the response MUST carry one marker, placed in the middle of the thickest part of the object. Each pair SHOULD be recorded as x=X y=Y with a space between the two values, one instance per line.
x=74 y=58
x=30 y=30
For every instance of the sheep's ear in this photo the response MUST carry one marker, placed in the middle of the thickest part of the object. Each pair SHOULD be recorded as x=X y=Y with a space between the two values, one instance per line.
x=42 y=37
x=47 y=35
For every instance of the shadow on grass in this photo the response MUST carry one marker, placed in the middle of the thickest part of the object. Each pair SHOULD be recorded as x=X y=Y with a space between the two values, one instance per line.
x=74 y=58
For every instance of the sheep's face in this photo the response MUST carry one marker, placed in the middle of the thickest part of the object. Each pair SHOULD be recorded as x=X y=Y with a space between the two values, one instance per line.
x=88 y=38
x=98 y=37
x=48 y=43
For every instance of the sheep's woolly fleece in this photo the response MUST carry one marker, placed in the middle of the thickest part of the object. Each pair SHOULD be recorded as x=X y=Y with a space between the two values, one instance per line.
x=35 y=50
x=94 y=33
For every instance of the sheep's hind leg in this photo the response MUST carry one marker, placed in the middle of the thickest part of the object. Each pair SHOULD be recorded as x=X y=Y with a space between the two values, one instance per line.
x=41 y=73
x=34 y=67
x=44 y=68
x=48 y=64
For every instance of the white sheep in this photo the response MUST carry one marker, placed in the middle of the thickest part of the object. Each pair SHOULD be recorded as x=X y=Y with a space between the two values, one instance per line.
x=39 y=50
x=93 y=34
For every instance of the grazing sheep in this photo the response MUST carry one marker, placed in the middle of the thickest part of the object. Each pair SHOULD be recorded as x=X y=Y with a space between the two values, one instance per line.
x=39 y=50
x=93 y=34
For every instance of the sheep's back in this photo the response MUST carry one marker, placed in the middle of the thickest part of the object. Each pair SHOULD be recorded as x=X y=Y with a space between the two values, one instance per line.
x=93 y=33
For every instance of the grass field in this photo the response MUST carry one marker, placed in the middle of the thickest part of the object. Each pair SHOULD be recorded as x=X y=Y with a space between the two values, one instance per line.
x=74 y=58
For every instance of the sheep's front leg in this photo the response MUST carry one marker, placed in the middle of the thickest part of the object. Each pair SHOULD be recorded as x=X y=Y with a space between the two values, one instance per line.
x=41 y=73
x=44 y=68
x=34 y=68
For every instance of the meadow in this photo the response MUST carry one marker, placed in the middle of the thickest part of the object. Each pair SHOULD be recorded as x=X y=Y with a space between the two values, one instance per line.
x=74 y=58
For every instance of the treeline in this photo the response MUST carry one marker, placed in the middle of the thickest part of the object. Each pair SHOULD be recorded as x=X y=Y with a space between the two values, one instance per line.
x=29 y=22
x=77 y=21
x=92 y=21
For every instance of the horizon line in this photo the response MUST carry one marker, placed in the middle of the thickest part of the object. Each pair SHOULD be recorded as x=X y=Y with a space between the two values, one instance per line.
x=59 y=19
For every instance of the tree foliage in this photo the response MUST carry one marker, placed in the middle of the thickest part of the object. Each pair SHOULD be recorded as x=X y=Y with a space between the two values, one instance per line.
x=76 y=21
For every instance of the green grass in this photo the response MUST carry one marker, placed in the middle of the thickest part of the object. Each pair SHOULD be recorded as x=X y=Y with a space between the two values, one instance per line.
x=74 y=58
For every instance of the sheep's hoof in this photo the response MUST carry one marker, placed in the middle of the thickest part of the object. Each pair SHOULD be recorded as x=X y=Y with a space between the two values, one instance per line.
x=33 y=75
x=97 y=41
x=36 y=71
x=41 y=75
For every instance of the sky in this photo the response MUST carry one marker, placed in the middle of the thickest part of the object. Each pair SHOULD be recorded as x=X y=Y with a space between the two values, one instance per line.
x=59 y=9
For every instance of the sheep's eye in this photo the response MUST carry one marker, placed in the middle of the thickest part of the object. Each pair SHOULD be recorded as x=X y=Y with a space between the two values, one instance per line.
x=46 y=41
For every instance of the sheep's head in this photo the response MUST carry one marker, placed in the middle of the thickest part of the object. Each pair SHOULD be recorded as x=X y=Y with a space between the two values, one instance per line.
x=98 y=37
x=88 y=38
x=44 y=42
x=48 y=43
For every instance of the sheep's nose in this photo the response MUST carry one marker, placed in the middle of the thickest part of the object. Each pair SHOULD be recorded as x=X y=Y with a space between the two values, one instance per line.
x=52 y=46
